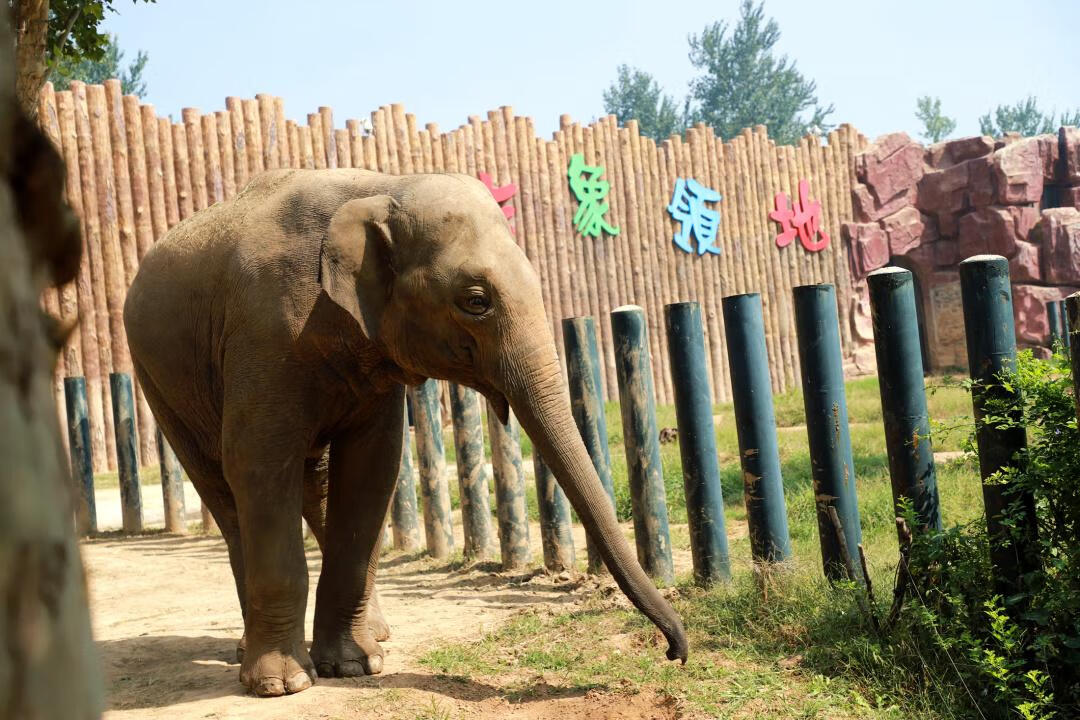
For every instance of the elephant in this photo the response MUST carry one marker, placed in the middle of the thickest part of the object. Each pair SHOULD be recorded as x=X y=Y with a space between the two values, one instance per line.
x=282 y=326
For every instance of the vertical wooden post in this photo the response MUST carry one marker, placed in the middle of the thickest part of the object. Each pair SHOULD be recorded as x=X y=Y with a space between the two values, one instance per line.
x=172 y=487
x=155 y=175
x=403 y=515
x=215 y=185
x=168 y=172
x=268 y=131
x=1072 y=313
x=986 y=294
x=827 y=428
x=763 y=485
x=697 y=443
x=555 y=524
x=329 y=139
x=127 y=451
x=472 y=477
x=82 y=460
x=903 y=397
x=253 y=136
x=433 y=487
x=235 y=108
x=510 y=507
x=641 y=438
x=90 y=360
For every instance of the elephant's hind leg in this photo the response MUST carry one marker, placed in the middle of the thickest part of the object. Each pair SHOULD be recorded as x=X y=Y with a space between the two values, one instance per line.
x=205 y=473
x=316 y=490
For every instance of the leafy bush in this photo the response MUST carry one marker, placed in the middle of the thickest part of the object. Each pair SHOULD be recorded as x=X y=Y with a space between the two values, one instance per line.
x=1016 y=656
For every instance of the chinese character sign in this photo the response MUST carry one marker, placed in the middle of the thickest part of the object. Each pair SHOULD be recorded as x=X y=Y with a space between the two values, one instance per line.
x=802 y=218
x=502 y=195
x=590 y=192
x=688 y=208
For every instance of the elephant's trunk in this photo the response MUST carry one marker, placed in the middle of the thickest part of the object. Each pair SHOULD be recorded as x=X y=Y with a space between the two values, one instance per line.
x=535 y=388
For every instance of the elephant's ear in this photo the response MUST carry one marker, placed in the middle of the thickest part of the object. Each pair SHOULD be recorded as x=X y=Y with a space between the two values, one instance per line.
x=356 y=263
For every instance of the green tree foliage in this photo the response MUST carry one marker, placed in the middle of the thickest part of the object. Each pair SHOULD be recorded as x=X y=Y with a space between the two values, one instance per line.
x=936 y=125
x=91 y=71
x=742 y=83
x=1024 y=117
x=635 y=95
x=74 y=30
x=1072 y=118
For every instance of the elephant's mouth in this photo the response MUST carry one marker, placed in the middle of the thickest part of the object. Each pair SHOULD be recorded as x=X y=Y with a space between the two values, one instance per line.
x=498 y=401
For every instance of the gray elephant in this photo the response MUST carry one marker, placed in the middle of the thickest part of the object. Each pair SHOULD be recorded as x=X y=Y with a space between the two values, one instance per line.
x=282 y=326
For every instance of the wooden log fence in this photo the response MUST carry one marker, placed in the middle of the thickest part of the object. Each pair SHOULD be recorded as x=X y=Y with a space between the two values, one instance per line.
x=133 y=175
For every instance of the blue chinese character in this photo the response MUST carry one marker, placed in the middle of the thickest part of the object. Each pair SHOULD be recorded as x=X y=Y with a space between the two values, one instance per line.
x=688 y=207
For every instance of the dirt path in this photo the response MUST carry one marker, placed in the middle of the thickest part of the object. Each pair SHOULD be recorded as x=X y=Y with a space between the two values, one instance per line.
x=166 y=620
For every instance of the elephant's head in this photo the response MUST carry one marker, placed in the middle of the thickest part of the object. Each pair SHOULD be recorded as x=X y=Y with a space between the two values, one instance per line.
x=435 y=279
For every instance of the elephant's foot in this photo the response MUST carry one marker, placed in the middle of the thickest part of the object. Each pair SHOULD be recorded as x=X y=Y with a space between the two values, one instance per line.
x=347 y=656
x=277 y=670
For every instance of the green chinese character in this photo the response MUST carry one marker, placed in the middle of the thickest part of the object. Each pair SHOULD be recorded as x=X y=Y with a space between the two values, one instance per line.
x=590 y=191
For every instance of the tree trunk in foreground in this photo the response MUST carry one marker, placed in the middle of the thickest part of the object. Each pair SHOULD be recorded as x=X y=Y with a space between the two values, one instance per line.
x=48 y=666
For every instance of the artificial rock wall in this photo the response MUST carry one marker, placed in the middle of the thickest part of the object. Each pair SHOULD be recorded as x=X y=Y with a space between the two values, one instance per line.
x=928 y=208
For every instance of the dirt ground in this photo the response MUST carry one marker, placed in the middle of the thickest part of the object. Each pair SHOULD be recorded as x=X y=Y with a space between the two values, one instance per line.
x=166 y=620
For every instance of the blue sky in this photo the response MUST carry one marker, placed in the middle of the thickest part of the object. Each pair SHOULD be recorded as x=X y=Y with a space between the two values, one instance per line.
x=446 y=60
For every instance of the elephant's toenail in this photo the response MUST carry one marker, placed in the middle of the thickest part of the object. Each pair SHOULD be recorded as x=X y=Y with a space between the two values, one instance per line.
x=270 y=687
x=373 y=664
x=325 y=670
x=299 y=681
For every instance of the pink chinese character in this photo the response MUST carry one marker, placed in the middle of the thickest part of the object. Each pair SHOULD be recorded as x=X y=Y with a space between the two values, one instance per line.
x=501 y=195
x=803 y=218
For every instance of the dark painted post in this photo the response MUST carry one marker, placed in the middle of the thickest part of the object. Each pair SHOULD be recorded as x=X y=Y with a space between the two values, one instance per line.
x=82 y=458
x=903 y=394
x=555 y=523
x=755 y=422
x=697 y=443
x=403 y=515
x=510 y=506
x=587 y=404
x=827 y=430
x=172 y=487
x=991 y=347
x=1072 y=312
x=127 y=458
x=1067 y=325
x=1053 y=317
x=638 y=405
x=472 y=476
x=434 y=489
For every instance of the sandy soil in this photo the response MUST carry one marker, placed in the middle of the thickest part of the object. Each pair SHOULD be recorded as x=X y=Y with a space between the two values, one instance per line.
x=166 y=620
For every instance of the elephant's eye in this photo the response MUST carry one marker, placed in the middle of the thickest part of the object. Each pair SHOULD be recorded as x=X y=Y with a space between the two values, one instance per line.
x=476 y=303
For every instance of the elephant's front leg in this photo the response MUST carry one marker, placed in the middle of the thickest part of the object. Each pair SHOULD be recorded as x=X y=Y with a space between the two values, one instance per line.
x=363 y=471
x=264 y=465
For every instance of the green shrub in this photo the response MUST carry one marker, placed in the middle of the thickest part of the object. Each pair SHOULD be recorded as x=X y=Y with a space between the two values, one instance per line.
x=1015 y=656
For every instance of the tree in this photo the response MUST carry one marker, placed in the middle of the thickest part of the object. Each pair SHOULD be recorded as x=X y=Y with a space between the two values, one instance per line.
x=635 y=95
x=48 y=30
x=1072 y=119
x=48 y=668
x=743 y=84
x=936 y=125
x=95 y=72
x=1024 y=117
